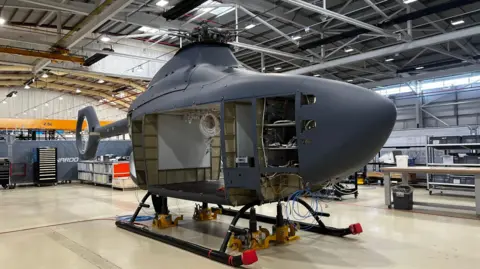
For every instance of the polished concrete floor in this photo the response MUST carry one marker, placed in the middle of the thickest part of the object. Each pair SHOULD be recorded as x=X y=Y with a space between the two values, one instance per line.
x=72 y=226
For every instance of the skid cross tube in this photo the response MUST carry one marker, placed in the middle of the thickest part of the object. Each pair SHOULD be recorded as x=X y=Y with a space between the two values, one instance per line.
x=246 y=258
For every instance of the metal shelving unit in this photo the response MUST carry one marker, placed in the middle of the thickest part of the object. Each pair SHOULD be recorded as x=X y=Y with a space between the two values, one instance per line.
x=114 y=174
x=450 y=182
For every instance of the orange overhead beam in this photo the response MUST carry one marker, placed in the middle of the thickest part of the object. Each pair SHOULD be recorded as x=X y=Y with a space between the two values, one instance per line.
x=43 y=54
x=44 y=124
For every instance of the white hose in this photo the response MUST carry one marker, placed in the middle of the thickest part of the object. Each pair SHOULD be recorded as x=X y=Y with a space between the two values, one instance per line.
x=209 y=125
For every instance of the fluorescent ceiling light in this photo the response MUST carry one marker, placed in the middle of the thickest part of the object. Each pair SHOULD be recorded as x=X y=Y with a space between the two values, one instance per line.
x=46 y=104
x=389 y=59
x=2 y=21
x=316 y=75
x=250 y=26
x=219 y=11
x=105 y=39
x=101 y=81
x=296 y=37
x=27 y=87
x=409 y=1
x=457 y=22
x=162 y=3
x=419 y=68
x=78 y=91
x=148 y=30
x=350 y=80
x=60 y=98
x=348 y=50
x=14 y=95
x=277 y=68
x=45 y=75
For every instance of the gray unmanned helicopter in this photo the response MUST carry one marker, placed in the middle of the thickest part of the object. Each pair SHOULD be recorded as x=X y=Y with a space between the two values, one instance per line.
x=271 y=136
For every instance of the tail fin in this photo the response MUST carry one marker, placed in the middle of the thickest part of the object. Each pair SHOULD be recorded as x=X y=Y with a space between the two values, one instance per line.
x=87 y=139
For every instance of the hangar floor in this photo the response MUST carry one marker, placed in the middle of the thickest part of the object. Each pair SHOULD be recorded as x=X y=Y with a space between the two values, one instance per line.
x=54 y=227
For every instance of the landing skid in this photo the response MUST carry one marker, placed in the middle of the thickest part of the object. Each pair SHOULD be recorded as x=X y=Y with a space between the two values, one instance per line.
x=248 y=256
x=321 y=228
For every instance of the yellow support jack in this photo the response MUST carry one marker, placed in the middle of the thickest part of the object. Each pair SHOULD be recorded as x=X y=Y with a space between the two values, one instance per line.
x=203 y=213
x=255 y=239
x=281 y=235
x=163 y=221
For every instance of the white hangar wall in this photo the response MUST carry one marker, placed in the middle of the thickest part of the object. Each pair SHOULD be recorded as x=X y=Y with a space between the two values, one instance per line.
x=32 y=104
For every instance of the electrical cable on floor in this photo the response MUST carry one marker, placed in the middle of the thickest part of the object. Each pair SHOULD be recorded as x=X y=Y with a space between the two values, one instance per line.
x=138 y=218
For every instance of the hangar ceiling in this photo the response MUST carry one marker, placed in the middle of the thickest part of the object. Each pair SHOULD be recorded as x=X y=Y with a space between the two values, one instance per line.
x=366 y=42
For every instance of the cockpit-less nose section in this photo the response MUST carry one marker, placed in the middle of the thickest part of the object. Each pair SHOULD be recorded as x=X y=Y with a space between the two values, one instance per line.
x=209 y=130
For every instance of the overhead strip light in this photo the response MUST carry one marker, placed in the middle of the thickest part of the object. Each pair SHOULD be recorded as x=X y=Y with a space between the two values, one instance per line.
x=147 y=29
x=348 y=50
x=162 y=3
x=250 y=26
x=105 y=39
x=454 y=23
x=409 y=1
x=219 y=11
x=296 y=37
x=389 y=59
x=277 y=68
x=419 y=68
x=2 y=21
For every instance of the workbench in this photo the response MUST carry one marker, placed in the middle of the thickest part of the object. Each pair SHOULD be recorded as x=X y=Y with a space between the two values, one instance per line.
x=406 y=171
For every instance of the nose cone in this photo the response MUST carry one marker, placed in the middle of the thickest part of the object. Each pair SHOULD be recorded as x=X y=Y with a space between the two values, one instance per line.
x=352 y=125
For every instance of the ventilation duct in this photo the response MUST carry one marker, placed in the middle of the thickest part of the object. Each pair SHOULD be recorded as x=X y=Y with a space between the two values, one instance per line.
x=181 y=8
x=96 y=57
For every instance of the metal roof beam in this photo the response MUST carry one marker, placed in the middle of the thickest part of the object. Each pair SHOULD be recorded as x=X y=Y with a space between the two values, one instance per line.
x=48 y=15
x=391 y=50
x=423 y=76
x=471 y=50
x=97 y=17
x=140 y=19
x=453 y=55
x=340 y=17
x=270 y=51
